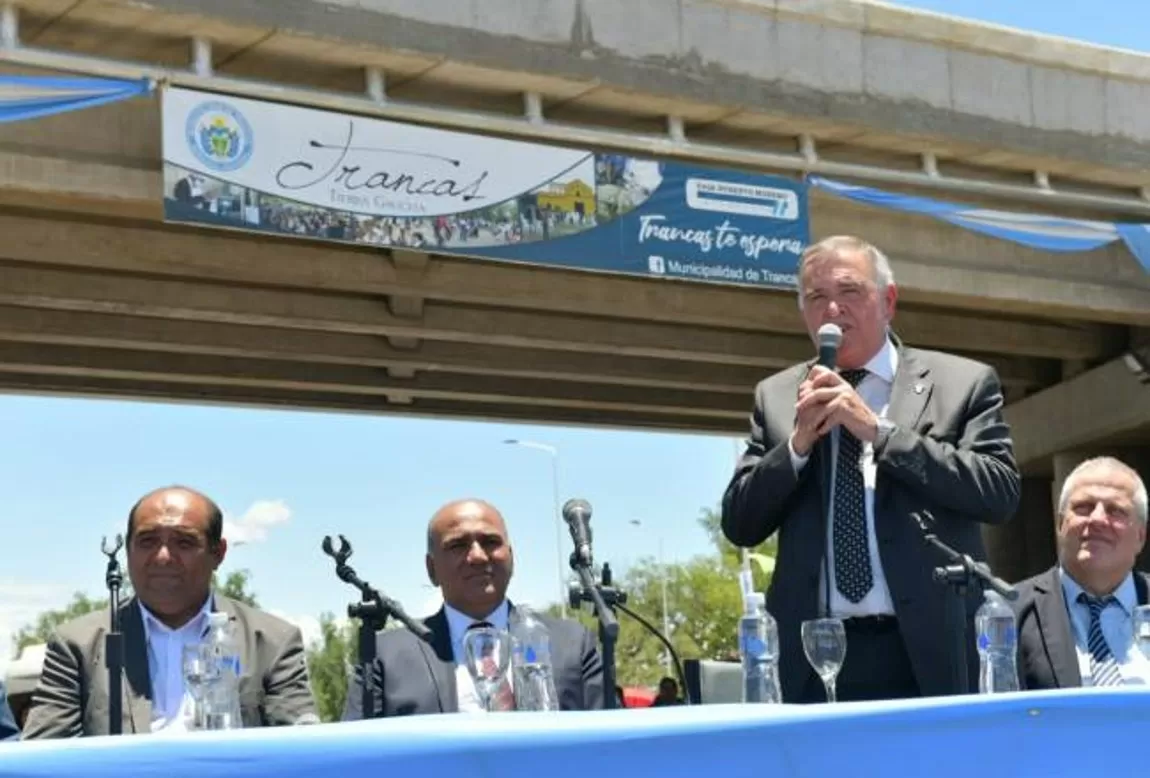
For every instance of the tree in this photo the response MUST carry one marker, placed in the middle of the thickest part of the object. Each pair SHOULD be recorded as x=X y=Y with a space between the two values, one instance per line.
x=46 y=623
x=329 y=660
x=235 y=585
x=704 y=605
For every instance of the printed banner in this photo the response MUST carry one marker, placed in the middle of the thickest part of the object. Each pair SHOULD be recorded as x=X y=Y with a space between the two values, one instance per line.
x=238 y=163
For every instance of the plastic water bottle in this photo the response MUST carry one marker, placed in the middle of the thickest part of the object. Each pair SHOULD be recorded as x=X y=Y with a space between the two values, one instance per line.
x=532 y=678
x=759 y=647
x=222 y=697
x=997 y=646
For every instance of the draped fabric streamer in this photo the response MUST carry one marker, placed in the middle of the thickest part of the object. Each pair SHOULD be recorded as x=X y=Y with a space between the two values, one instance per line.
x=31 y=97
x=1049 y=233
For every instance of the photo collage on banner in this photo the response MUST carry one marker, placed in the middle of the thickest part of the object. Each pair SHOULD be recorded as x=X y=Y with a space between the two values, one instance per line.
x=244 y=164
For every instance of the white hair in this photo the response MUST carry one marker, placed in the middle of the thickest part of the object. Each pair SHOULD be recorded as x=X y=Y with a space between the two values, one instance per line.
x=1104 y=463
x=838 y=244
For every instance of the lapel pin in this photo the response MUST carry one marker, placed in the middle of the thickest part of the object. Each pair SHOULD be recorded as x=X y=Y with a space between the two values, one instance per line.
x=919 y=388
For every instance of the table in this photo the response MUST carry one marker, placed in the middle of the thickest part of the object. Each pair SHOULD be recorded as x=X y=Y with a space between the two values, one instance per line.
x=1082 y=733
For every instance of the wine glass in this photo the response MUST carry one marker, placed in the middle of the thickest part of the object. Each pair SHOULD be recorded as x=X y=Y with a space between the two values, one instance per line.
x=825 y=644
x=487 y=651
x=1141 y=622
x=200 y=670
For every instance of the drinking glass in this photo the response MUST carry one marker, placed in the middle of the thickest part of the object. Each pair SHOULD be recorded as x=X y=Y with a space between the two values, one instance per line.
x=1141 y=620
x=487 y=651
x=825 y=644
x=200 y=670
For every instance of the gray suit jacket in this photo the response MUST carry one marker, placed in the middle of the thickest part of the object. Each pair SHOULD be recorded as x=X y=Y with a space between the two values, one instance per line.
x=1047 y=655
x=950 y=452
x=411 y=676
x=71 y=699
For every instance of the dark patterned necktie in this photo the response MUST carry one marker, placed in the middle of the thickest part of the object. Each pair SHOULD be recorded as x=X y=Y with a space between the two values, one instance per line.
x=853 y=575
x=1103 y=669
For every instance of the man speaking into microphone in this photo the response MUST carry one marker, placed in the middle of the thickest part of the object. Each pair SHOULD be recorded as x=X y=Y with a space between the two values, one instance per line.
x=842 y=451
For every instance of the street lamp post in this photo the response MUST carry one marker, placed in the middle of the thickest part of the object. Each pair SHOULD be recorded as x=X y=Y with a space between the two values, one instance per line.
x=663 y=586
x=553 y=452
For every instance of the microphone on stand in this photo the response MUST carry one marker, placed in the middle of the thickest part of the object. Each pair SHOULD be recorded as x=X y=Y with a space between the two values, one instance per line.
x=113 y=638
x=959 y=573
x=577 y=514
x=971 y=568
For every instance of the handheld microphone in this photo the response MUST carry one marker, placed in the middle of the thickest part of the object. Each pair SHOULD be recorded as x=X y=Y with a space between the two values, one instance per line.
x=830 y=337
x=577 y=514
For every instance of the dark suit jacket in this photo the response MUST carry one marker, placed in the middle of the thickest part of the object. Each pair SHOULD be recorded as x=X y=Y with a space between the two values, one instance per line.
x=412 y=676
x=950 y=452
x=1047 y=656
x=8 y=728
x=71 y=699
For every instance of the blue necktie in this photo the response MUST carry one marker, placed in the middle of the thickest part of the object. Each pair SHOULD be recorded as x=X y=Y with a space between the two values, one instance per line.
x=1103 y=669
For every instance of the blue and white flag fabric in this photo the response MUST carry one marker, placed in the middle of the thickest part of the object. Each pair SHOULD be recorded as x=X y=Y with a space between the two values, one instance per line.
x=31 y=97
x=1048 y=233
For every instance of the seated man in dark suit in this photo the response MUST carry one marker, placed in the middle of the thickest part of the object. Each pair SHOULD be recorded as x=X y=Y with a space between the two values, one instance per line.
x=174 y=544
x=1074 y=620
x=8 y=728
x=469 y=558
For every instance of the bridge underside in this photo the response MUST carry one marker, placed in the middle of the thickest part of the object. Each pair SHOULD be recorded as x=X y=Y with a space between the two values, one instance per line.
x=113 y=306
x=99 y=298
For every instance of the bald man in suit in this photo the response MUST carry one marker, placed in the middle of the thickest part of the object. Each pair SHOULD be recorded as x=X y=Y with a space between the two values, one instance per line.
x=469 y=557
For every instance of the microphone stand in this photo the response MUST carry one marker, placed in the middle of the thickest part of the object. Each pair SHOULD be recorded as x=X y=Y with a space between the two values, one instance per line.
x=960 y=574
x=373 y=610
x=605 y=598
x=114 y=640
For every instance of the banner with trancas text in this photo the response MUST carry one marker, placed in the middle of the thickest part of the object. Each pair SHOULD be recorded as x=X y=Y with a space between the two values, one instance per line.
x=239 y=163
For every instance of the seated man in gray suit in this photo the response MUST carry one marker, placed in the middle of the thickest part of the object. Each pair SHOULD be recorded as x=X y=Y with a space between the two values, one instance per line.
x=174 y=544
x=469 y=557
x=8 y=728
x=1074 y=625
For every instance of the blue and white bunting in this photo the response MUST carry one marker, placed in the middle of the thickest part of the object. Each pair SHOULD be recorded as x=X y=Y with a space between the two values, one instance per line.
x=1048 y=233
x=31 y=97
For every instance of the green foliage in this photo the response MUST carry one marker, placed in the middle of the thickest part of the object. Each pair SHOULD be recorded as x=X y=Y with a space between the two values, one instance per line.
x=703 y=603
x=235 y=585
x=47 y=622
x=329 y=662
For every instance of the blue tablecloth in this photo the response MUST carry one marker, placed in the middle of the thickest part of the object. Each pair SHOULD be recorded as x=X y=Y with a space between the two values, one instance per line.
x=1081 y=733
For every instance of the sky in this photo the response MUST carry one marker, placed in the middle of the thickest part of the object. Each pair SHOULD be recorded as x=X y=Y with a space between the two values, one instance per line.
x=72 y=468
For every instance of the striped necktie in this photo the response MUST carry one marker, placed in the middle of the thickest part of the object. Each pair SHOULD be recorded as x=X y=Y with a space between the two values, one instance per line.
x=1103 y=669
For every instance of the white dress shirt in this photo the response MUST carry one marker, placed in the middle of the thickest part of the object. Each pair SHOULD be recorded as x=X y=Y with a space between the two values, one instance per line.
x=874 y=390
x=1117 y=629
x=170 y=701
x=457 y=625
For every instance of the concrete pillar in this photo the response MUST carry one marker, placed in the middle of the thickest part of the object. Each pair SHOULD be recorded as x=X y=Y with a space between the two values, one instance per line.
x=1024 y=546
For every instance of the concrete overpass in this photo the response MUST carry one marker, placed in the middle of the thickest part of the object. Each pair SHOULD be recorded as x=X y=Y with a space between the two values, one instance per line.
x=98 y=297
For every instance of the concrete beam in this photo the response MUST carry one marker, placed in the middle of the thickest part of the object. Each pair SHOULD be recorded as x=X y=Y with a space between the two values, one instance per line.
x=98 y=331
x=906 y=72
x=42 y=360
x=207 y=394
x=186 y=300
x=1104 y=402
x=93 y=330
x=224 y=257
